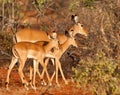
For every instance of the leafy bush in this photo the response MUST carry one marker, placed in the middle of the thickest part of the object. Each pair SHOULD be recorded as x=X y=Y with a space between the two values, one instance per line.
x=41 y=3
x=85 y=3
x=100 y=75
x=73 y=5
x=88 y=3
x=6 y=42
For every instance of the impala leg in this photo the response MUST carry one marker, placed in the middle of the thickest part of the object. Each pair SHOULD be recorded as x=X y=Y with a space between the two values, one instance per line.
x=43 y=71
x=63 y=77
x=44 y=65
x=35 y=65
x=52 y=76
x=48 y=77
x=37 y=70
x=57 y=73
x=43 y=81
x=53 y=61
x=42 y=75
x=31 y=74
x=13 y=62
x=21 y=66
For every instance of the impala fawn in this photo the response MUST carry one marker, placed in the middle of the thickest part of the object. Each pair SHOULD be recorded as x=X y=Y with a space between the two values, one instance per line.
x=57 y=55
x=37 y=51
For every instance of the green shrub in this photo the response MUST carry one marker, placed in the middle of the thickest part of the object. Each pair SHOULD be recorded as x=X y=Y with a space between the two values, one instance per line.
x=101 y=75
x=88 y=3
x=42 y=3
x=85 y=3
x=73 y=5
x=43 y=27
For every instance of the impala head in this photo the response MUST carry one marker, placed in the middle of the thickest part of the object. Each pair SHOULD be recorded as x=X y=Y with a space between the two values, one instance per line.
x=52 y=35
x=54 y=41
x=77 y=28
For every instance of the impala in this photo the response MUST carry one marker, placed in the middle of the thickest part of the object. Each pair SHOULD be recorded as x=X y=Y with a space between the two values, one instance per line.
x=57 y=55
x=37 y=51
x=32 y=35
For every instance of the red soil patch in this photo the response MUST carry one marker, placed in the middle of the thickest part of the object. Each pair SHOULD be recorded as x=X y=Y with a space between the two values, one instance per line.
x=16 y=87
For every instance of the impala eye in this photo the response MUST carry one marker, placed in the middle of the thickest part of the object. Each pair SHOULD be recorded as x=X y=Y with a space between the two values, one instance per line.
x=81 y=25
x=72 y=30
x=52 y=50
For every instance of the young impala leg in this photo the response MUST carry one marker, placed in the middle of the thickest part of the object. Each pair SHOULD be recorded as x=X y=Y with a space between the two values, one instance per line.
x=38 y=72
x=53 y=61
x=35 y=65
x=52 y=76
x=31 y=72
x=13 y=62
x=60 y=68
x=45 y=71
x=30 y=81
x=50 y=81
x=20 y=71
x=57 y=73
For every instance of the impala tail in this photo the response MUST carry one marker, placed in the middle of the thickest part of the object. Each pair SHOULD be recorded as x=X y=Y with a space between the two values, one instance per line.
x=15 y=53
x=14 y=39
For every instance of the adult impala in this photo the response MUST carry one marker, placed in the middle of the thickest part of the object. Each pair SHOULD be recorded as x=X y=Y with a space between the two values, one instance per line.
x=37 y=51
x=32 y=35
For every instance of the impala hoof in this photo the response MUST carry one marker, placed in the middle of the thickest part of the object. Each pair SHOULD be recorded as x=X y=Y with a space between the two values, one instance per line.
x=50 y=84
x=58 y=84
x=34 y=88
x=43 y=83
x=7 y=88
x=25 y=85
x=26 y=88
x=6 y=85
x=66 y=82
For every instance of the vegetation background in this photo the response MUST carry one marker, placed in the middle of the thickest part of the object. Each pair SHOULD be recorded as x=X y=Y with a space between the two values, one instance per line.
x=96 y=64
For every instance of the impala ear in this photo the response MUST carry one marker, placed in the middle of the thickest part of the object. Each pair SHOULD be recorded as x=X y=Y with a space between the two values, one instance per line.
x=72 y=17
x=70 y=33
x=75 y=18
x=67 y=34
x=53 y=35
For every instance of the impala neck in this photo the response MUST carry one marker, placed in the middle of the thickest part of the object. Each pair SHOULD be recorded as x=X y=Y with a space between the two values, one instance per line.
x=65 y=45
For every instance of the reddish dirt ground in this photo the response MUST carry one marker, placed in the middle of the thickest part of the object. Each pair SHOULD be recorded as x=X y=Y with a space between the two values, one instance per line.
x=16 y=87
